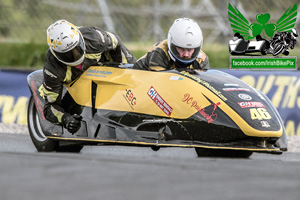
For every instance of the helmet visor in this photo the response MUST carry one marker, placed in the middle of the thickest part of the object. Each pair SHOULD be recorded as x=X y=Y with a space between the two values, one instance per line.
x=74 y=54
x=175 y=51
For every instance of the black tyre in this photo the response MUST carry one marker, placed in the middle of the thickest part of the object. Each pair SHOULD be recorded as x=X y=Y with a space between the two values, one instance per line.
x=40 y=141
x=263 y=52
x=277 y=49
x=70 y=148
x=155 y=148
x=205 y=152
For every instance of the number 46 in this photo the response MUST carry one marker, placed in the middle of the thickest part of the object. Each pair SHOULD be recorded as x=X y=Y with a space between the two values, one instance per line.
x=259 y=113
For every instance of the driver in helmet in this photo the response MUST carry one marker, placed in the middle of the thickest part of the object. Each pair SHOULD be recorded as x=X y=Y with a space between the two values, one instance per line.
x=71 y=51
x=182 y=49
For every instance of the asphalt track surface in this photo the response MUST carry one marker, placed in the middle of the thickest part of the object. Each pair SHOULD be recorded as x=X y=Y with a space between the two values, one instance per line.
x=131 y=173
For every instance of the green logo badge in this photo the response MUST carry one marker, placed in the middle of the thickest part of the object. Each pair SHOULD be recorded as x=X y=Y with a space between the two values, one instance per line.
x=240 y=24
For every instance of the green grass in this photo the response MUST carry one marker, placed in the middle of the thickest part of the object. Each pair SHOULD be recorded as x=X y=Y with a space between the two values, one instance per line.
x=32 y=56
x=218 y=55
x=27 y=55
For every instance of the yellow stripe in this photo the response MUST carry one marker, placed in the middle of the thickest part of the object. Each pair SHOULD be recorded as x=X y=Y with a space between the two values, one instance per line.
x=57 y=114
x=114 y=40
x=164 y=46
x=68 y=75
x=95 y=56
x=51 y=96
x=124 y=60
x=156 y=68
x=161 y=145
x=108 y=56
x=41 y=90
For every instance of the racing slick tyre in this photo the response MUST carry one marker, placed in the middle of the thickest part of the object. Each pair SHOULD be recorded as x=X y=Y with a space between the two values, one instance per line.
x=40 y=141
x=206 y=152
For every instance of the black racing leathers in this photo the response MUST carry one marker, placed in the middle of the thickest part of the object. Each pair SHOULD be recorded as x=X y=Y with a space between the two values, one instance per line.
x=101 y=46
x=158 y=59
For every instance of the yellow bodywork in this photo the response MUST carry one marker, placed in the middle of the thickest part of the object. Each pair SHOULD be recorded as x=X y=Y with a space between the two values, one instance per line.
x=128 y=90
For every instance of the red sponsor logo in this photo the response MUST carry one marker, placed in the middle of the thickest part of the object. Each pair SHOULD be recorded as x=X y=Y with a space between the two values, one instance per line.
x=251 y=104
x=38 y=103
x=159 y=101
x=211 y=117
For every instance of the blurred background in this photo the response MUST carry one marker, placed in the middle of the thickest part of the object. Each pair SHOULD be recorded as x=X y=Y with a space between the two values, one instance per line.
x=139 y=23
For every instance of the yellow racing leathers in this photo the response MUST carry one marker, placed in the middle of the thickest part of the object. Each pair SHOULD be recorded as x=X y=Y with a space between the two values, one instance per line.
x=158 y=59
x=101 y=46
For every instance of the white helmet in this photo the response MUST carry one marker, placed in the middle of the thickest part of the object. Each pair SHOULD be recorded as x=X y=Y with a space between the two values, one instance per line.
x=184 y=33
x=294 y=33
x=66 y=43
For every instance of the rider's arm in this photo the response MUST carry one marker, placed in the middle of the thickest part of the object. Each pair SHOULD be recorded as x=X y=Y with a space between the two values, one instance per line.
x=202 y=61
x=154 y=60
x=205 y=64
x=117 y=50
x=158 y=60
x=51 y=89
x=53 y=110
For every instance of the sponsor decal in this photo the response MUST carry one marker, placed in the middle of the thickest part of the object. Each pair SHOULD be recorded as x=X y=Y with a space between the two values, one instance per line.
x=98 y=73
x=130 y=98
x=265 y=124
x=245 y=97
x=160 y=120
x=259 y=114
x=47 y=87
x=236 y=89
x=231 y=84
x=38 y=103
x=70 y=46
x=50 y=74
x=205 y=84
x=211 y=117
x=159 y=101
x=251 y=104
x=176 y=78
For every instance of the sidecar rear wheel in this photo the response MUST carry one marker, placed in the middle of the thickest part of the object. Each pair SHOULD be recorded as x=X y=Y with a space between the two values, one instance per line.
x=40 y=141
x=206 y=152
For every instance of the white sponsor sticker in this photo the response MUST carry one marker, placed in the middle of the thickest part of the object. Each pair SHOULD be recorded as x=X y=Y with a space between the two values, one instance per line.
x=245 y=97
x=265 y=124
x=231 y=84
x=236 y=89
x=176 y=78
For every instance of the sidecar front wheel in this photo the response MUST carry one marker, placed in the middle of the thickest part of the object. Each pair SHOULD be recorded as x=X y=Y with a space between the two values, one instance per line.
x=40 y=141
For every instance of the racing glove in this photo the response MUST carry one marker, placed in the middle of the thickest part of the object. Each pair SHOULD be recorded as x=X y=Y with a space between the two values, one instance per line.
x=71 y=122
